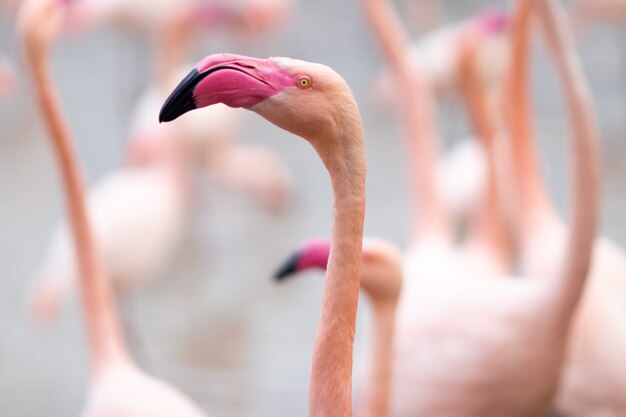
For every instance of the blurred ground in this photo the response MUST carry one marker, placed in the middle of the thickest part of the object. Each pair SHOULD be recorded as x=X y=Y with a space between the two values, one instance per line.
x=215 y=325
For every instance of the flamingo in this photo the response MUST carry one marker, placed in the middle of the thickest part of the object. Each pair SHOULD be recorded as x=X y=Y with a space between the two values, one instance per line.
x=461 y=171
x=462 y=344
x=117 y=387
x=594 y=375
x=137 y=214
x=315 y=103
x=381 y=280
x=487 y=246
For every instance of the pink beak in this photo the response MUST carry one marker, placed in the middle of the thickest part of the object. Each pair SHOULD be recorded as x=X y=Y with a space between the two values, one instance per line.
x=235 y=80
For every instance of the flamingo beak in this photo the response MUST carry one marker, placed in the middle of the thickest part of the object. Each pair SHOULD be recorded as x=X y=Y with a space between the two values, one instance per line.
x=288 y=268
x=235 y=80
x=311 y=254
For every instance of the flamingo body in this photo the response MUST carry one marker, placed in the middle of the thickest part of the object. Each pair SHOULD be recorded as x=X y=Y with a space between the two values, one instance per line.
x=461 y=177
x=122 y=390
x=137 y=217
x=462 y=344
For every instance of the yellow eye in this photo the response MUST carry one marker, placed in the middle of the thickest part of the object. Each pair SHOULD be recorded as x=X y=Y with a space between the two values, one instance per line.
x=304 y=82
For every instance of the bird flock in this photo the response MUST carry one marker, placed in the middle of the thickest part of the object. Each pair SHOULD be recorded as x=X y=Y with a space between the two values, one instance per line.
x=497 y=306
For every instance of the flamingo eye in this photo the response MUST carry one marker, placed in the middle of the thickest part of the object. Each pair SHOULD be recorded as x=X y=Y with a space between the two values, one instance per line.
x=304 y=82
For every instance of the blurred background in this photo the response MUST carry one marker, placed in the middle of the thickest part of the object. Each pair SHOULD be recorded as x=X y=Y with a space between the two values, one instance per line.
x=214 y=323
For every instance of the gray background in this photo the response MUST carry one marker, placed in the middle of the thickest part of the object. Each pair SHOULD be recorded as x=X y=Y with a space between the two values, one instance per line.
x=215 y=325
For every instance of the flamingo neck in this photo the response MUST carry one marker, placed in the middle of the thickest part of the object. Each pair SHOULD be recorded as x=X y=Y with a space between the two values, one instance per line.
x=330 y=390
x=418 y=114
x=535 y=202
x=584 y=157
x=375 y=401
x=489 y=223
x=102 y=324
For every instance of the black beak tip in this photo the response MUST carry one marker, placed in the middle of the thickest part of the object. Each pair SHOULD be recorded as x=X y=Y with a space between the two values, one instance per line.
x=287 y=269
x=181 y=100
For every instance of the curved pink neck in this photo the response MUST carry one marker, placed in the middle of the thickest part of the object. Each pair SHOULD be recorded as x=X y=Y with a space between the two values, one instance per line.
x=417 y=112
x=102 y=324
x=535 y=207
x=489 y=225
x=330 y=390
x=584 y=157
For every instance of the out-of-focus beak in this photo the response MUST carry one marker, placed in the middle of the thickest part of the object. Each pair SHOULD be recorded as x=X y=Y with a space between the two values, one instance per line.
x=311 y=254
x=288 y=268
x=235 y=80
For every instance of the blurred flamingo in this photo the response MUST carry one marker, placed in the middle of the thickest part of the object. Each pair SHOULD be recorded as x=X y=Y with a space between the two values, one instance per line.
x=137 y=214
x=594 y=374
x=117 y=387
x=315 y=103
x=381 y=280
x=461 y=171
x=447 y=322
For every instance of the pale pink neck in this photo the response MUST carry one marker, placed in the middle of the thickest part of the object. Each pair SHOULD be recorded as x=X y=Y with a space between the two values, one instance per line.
x=102 y=324
x=535 y=206
x=584 y=157
x=488 y=227
x=428 y=216
x=375 y=401
x=330 y=391
x=173 y=48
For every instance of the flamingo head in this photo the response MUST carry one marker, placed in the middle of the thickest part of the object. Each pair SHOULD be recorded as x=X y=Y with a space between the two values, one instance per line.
x=493 y=21
x=309 y=100
x=381 y=275
x=39 y=24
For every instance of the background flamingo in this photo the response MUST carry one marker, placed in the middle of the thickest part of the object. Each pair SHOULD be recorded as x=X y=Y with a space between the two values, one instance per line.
x=437 y=290
x=461 y=170
x=117 y=387
x=596 y=335
x=382 y=282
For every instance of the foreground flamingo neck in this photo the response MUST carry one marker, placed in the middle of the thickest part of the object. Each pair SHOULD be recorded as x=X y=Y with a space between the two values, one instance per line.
x=535 y=204
x=330 y=390
x=102 y=324
x=418 y=117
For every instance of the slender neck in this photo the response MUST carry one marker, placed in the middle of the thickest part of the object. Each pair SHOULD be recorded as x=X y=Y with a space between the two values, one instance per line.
x=102 y=324
x=584 y=155
x=173 y=47
x=330 y=390
x=489 y=227
x=378 y=386
x=534 y=204
x=417 y=112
